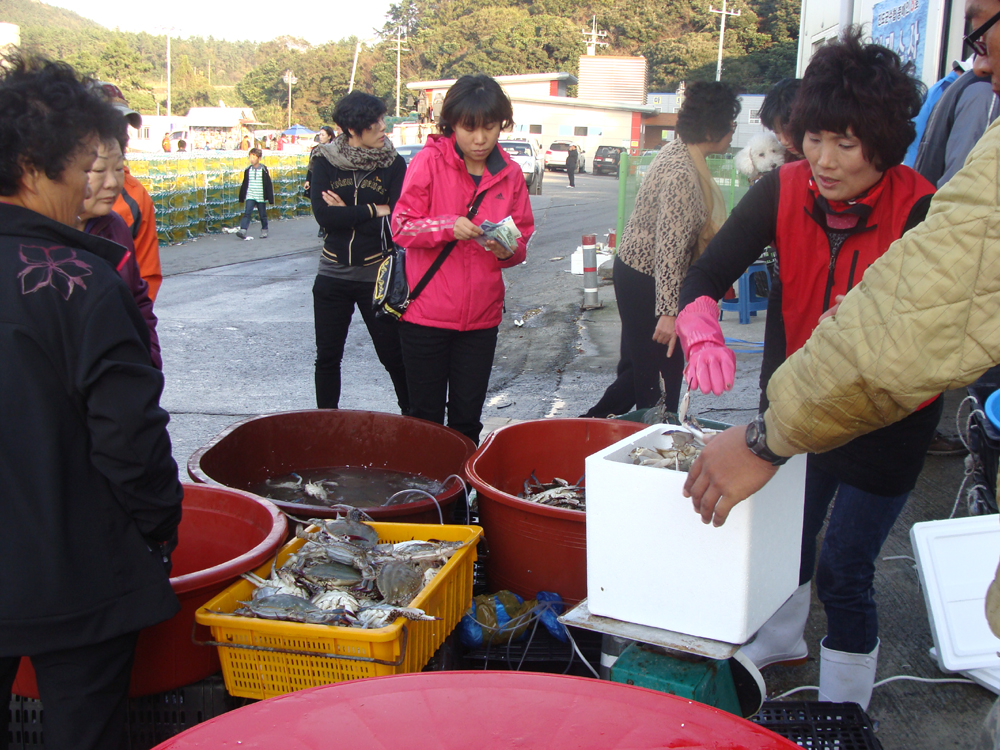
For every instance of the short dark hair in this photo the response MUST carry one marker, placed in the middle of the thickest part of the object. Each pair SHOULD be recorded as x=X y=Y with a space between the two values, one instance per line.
x=474 y=101
x=707 y=113
x=864 y=88
x=47 y=114
x=357 y=112
x=778 y=102
x=255 y=152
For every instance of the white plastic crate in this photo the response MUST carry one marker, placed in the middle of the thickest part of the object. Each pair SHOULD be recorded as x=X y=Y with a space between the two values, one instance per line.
x=650 y=559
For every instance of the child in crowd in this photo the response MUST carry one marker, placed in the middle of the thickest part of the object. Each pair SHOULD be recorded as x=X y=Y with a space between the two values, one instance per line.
x=257 y=191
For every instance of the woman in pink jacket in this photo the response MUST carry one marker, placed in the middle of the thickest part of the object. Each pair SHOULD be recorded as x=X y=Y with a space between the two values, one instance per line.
x=449 y=332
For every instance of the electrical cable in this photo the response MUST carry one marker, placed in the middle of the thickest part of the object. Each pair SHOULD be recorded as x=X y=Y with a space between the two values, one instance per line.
x=930 y=680
x=465 y=490
x=419 y=492
x=887 y=680
x=580 y=654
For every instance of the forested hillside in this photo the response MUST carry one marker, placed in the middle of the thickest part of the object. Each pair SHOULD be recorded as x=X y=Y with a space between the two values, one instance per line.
x=445 y=39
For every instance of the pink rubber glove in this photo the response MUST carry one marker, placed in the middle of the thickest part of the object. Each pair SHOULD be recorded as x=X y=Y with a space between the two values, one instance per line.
x=711 y=365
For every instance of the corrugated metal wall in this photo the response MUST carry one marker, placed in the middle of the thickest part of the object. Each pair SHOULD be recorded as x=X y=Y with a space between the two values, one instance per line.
x=613 y=79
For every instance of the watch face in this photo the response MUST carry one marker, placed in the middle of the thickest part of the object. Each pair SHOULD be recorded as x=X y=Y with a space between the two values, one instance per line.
x=753 y=433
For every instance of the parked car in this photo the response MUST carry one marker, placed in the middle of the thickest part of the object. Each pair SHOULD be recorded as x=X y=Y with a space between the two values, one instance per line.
x=526 y=155
x=606 y=159
x=555 y=156
x=408 y=152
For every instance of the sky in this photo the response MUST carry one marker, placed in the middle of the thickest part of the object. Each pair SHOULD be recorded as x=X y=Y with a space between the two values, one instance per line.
x=254 y=20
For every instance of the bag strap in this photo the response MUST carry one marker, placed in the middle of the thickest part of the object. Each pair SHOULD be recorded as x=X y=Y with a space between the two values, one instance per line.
x=446 y=251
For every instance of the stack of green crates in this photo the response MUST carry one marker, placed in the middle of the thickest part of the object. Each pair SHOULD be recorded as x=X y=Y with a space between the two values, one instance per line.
x=198 y=193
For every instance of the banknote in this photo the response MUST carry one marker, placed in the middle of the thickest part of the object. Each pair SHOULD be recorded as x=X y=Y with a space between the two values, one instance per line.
x=504 y=231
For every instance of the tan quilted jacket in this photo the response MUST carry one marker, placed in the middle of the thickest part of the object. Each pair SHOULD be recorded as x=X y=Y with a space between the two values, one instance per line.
x=925 y=318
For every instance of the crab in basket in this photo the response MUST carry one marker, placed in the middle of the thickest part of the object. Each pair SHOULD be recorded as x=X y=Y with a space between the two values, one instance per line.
x=342 y=575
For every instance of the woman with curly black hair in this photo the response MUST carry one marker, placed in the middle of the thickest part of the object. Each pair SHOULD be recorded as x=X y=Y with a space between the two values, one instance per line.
x=830 y=216
x=84 y=449
x=677 y=211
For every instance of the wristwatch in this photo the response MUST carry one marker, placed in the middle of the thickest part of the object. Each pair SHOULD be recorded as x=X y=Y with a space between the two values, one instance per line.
x=757 y=442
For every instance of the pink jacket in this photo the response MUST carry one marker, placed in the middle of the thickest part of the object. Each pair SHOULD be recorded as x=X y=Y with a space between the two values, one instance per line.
x=467 y=291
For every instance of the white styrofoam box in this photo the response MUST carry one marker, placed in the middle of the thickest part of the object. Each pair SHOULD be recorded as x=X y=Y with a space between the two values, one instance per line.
x=576 y=260
x=651 y=560
x=956 y=559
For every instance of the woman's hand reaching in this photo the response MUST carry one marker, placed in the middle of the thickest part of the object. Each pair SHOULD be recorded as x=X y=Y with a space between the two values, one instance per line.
x=665 y=333
x=466 y=230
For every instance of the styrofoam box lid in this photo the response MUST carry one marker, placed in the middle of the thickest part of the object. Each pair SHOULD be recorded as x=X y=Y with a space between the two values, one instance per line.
x=988 y=678
x=957 y=559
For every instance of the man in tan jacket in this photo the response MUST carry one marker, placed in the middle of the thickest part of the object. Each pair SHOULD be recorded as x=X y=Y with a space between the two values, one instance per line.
x=924 y=319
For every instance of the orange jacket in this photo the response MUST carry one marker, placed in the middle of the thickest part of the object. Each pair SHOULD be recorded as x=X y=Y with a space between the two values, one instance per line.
x=136 y=207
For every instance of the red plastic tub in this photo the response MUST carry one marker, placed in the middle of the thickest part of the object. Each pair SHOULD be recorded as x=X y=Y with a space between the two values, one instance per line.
x=251 y=451
x=536 y=547
x=223 y=533
x=484 y=710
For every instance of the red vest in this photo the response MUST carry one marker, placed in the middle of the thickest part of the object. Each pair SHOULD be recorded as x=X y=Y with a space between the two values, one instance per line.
x=811 y=276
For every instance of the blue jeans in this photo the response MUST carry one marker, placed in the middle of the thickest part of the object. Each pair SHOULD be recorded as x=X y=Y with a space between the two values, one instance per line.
x=261 y=207
x=859 y=525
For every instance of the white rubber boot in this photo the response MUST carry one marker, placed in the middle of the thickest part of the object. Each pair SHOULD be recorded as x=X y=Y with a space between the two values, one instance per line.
x=846 y=677
x=779 y=640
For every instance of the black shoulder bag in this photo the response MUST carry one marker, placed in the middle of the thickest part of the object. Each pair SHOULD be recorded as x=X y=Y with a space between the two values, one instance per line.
x=392 y=294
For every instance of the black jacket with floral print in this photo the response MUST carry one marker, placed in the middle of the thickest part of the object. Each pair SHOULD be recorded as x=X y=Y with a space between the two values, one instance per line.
x=90 y=497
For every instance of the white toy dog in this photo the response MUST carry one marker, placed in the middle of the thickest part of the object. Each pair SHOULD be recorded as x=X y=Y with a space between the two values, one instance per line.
x=761 y=155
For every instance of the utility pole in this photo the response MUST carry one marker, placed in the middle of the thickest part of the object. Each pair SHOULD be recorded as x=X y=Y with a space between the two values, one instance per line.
x=592 y=36
x=289 y=79
x=399 y=49
x=168 y=75
x=354 y=67
x=722 y=34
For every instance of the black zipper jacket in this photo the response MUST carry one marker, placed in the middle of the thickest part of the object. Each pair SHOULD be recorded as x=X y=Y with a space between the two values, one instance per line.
x=88 y=488
x=356 y=236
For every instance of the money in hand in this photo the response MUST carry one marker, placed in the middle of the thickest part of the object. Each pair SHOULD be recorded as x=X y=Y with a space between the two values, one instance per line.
x=505 y=232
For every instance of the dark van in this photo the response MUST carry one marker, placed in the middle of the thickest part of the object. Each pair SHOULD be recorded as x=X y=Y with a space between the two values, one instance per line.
x=606 y=159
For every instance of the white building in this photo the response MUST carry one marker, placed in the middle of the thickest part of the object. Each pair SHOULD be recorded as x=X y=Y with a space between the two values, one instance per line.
x=747 y=121
x=149 y=137
x=542 y=109
x=10 y=36
x=929 y=32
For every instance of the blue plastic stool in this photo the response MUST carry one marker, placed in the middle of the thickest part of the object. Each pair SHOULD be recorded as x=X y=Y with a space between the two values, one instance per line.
x=747 y=302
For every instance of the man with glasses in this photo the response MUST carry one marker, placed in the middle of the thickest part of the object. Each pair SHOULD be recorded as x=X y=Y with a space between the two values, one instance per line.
x=923 y=321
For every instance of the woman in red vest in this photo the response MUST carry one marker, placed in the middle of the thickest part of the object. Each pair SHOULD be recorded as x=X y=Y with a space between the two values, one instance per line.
x=829 y=216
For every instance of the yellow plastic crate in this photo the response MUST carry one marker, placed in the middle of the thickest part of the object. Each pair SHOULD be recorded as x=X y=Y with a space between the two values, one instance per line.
x=264 y=658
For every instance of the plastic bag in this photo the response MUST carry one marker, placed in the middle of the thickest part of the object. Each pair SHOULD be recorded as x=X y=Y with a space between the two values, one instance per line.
x=503 y=617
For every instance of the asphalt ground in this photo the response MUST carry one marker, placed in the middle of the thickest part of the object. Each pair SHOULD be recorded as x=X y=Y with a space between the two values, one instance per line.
x=236 y=327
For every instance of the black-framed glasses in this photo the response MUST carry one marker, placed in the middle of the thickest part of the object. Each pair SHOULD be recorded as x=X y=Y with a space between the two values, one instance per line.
x=975 y=38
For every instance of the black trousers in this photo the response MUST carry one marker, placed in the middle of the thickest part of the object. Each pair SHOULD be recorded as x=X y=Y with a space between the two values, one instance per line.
x=571 y=173
x=84 y=691
x=642 y=361
x=261 y=207
x=448 y=369
x=333 y=306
